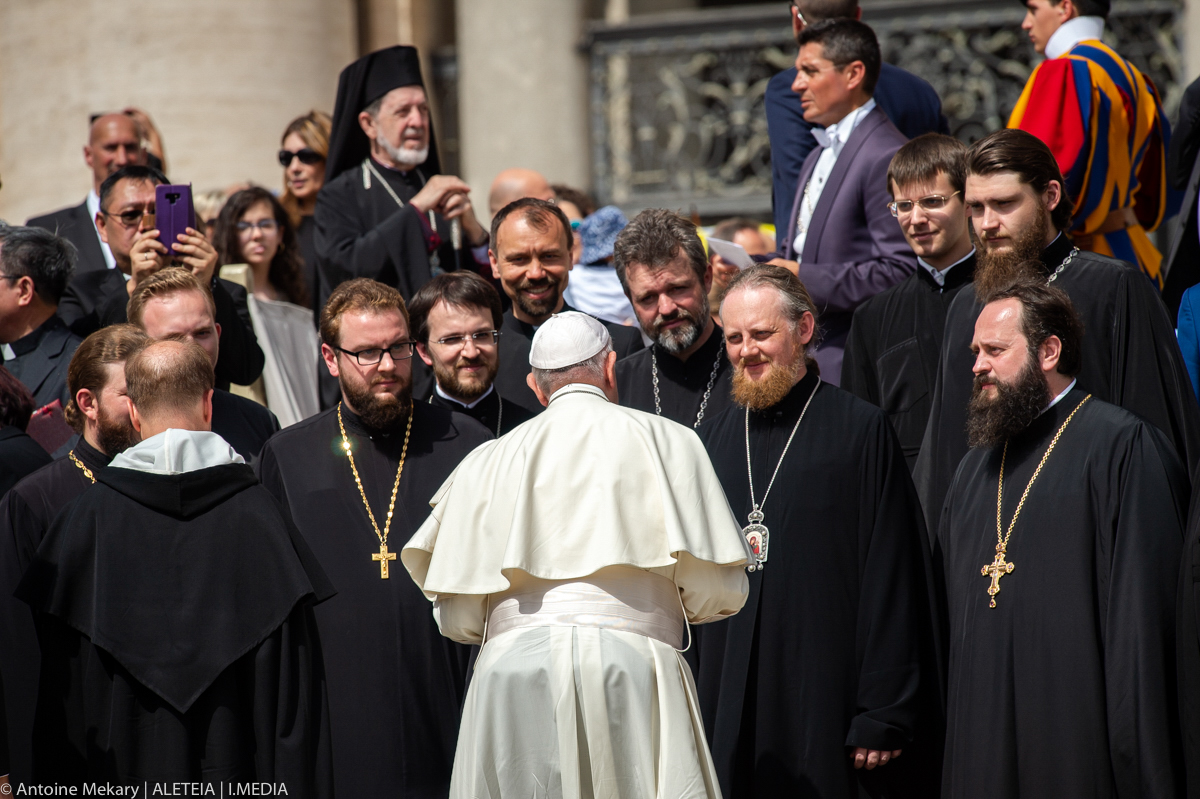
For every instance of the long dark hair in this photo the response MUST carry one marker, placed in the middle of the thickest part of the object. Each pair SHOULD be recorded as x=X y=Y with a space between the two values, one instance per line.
x=286 y=269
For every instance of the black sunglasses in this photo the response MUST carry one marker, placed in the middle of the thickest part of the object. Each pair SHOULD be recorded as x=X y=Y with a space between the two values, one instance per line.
x=306 y=156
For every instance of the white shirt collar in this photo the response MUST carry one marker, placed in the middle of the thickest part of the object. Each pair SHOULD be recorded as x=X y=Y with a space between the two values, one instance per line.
x=176 y=452
x=939 y=275
x=438 y=388
x=1058 y=399
x=835 y=135
x=1071 y=33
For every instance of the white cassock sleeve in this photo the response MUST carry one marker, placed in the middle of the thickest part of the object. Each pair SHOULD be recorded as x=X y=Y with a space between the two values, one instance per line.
x=710 y=592
x=461 y=617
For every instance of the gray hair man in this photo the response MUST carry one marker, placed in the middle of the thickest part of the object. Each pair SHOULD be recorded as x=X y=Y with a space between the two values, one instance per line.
x=615 y=584
x=684 y=374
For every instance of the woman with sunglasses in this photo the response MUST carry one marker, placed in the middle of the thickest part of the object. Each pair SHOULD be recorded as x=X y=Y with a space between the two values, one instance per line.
x=254 y=230
x=305 y=147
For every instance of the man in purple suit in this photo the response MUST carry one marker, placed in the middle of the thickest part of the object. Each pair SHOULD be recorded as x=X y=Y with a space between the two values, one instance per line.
x=841 y=239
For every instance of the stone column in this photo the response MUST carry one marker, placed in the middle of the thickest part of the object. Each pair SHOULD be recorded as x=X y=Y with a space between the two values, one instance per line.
x=522 y=91
x=220 y=78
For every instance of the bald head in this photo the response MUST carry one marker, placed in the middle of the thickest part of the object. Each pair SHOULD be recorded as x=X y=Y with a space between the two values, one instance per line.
x=170 y=385
x=113 y=142
x=515 y=184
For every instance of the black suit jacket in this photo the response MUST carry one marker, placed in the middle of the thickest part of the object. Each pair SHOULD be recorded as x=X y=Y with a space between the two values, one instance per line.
x=243 y=423
x=98 y=299
x=76 y=225
x=20 y=455
x=43 y=367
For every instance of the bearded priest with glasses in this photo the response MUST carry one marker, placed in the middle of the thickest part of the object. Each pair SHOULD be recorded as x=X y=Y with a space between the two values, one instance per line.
x=356 y=479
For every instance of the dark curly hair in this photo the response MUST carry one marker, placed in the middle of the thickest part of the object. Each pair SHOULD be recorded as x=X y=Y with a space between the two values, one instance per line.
x=286 y=267
x=16 y=403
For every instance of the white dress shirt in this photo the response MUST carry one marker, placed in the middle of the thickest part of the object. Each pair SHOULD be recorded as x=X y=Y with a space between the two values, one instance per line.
x=1072 y=32
x=93 y=206
x=831 y=139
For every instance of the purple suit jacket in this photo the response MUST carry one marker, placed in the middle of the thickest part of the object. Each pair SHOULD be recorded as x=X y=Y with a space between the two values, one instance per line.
x=854 y=248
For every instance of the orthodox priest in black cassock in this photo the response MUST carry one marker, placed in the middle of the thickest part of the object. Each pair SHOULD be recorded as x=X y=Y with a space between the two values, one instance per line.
x=25 y=516
x=1062 y=610
x=173 y=605
x=365 y=226
x=1067 y=686
x=891 y=357
x=682 y=386
x=1130 y=358
x=395 y=684
x=834 y=646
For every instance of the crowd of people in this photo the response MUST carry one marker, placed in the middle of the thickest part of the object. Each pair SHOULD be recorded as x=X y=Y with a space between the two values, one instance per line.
x=346 y=492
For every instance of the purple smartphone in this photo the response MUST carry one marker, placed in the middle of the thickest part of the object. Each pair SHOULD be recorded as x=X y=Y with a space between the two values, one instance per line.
x=173 y=212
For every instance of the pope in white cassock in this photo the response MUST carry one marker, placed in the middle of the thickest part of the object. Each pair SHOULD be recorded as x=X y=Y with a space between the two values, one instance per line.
x=576 y=549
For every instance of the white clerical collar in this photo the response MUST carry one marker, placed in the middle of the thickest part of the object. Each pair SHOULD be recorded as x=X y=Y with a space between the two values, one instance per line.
x=177 y=451
x=835 y=135
x=1058 y=399
x=579 y=388
x=1072 y=32
x=438 y=388
x=939 y=275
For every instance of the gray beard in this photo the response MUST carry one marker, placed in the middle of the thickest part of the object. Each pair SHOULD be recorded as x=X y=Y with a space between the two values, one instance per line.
x=677 y=340
x=403 y=156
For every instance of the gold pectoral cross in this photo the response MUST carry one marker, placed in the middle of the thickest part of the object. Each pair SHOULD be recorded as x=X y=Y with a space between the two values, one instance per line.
x=996 y=569
x=383 y=556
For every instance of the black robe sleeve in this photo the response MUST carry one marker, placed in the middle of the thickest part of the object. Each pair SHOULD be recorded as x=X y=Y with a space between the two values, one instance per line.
x=3 y=732
x=291 y=712
x=858 y=377
x=391 y=252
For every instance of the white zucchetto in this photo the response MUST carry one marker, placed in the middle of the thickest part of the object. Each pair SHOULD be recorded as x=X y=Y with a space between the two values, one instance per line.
x=566 y=339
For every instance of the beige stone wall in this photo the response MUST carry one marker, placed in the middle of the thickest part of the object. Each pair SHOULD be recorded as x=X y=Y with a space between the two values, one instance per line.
x=220 y=78
x=522 y=91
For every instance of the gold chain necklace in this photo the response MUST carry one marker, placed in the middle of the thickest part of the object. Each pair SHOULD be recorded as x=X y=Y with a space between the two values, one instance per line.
x=999 y=567
x=382 y=556
x=86 y=471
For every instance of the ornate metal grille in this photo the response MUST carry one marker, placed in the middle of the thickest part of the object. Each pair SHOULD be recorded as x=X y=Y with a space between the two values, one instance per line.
x=677 y=102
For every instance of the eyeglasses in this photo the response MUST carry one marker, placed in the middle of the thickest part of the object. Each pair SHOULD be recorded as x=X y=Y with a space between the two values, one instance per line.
x=307 y=156
x=401 y=351
x=265 y=225
x=133 y=217
x=799 y=16
x=484 y=338
x=933 y=202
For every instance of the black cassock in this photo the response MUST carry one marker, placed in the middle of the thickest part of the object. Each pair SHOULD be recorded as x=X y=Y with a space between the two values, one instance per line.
x=516 y=339
x=834 y=647
x=1067 y=686
x=362 y=232
x=493 y=411
x=174 y=615
x=25 y=515
x=681 y=384
x=892 y=350
x=396 y=685
x=1130 y=358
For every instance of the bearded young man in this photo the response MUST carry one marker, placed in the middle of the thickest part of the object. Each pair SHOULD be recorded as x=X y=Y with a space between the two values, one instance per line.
x=99 y=413
x=1019 y=215
x=456 y=320
x=684 y=374
x=531 y=257
x=828 y=673
x=1060 y=546
x=357 y=479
